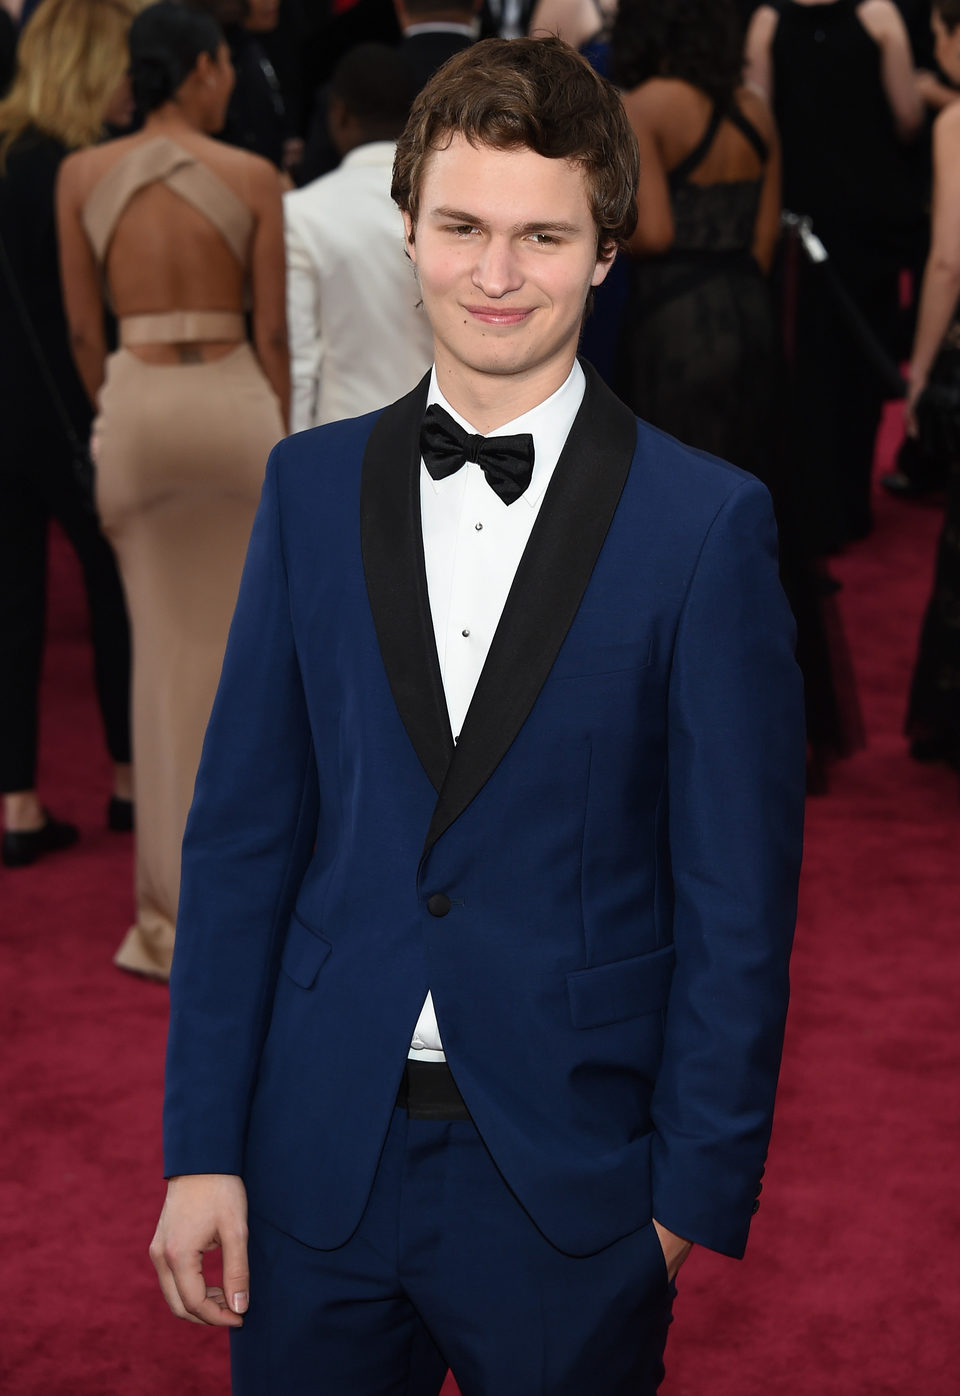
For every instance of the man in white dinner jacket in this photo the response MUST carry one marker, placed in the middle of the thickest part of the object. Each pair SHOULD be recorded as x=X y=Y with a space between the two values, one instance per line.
x=358 y=339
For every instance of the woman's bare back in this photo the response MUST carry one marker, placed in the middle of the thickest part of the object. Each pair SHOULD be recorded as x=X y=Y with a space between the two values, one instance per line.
x=164 y=254
x=679 y=114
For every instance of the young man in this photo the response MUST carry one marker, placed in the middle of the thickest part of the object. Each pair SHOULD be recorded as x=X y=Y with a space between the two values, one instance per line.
x=490 y=879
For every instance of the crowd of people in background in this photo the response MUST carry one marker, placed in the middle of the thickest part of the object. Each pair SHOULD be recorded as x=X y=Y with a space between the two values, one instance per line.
x=199 y=252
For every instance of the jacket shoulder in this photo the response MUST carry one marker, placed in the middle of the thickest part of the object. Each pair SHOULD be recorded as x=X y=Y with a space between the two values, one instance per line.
x=321 y=459
x=694 y=484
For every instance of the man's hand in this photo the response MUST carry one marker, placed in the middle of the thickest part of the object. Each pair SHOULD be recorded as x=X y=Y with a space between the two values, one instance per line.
x=675 y=1249
x=203 y=1211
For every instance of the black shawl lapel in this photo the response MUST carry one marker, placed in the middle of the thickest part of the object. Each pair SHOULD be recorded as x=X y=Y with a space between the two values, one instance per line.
x=392 y=547
x=556 y=566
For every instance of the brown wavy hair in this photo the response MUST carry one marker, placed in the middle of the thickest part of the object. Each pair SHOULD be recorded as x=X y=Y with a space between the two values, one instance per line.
x=535 y=94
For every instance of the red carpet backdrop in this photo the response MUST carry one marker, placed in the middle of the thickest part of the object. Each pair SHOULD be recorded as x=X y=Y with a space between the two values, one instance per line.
x=851 y=1282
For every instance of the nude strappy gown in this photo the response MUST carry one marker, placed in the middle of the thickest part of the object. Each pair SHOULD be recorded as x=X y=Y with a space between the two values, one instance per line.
x=181 y=456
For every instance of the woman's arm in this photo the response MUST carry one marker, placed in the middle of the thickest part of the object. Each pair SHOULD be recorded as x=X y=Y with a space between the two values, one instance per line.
x=883 y=22
x=933 y=91
x=766 y=233
x=941 y=277
x=268 y=281
x=654 y=231
x=80 y=278
x=758 y=54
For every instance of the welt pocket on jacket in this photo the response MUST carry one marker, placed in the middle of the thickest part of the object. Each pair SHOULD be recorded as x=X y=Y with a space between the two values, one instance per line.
x=593 y=659
x=624 y=989
x=303 y=953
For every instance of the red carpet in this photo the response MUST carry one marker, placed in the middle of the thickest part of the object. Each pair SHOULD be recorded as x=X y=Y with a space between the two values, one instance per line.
x=851 y=1283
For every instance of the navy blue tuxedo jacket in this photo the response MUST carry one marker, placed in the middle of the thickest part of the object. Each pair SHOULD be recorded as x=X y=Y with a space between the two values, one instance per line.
x=613 y=843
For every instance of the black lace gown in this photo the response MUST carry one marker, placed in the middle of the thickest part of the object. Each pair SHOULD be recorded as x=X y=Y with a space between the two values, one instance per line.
x=698 y=353
x=701 y=358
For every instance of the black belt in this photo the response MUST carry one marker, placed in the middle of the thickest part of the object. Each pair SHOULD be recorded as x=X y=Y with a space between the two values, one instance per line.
x=429 y=1092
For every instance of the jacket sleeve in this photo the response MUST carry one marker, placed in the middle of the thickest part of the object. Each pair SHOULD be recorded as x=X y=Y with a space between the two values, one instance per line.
x=736 y=786
x=304 y=321
x=249 y=837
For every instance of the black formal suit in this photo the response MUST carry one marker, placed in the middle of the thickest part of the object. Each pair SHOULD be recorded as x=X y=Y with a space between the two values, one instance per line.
x=425 y=53
x=596 y=882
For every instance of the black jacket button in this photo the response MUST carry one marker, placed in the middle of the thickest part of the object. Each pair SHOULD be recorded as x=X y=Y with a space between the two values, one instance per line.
x=438 y=904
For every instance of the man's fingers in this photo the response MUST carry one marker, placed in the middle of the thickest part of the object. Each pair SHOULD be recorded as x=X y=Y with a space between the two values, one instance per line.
x=236 y=1274
x=191 y=1298
x=168 y=1284
x=203 y=1212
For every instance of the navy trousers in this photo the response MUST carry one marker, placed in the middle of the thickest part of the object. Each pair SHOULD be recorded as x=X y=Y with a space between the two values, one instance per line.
x=447 y=1269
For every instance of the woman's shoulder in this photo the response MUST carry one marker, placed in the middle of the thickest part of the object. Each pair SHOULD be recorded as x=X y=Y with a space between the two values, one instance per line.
x=946 y=129
x=32 y=149
x=249 y=175
x=666 y=97
x=881 y=19
x=83 y=168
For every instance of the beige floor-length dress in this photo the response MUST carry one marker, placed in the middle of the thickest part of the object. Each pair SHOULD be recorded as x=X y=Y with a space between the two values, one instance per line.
x=181 y=456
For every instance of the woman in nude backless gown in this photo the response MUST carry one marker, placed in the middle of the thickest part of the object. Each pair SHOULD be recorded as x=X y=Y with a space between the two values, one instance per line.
x=182 y=235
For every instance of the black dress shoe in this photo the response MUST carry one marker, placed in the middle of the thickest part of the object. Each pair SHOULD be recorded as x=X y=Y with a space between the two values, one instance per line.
x=23 y=847
x=120 y=815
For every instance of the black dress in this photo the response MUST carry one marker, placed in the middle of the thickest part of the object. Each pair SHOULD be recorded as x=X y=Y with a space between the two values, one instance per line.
x=37 y=480
x=701 y=358
x=933 y=715
x=844 y=166
x=698 y=348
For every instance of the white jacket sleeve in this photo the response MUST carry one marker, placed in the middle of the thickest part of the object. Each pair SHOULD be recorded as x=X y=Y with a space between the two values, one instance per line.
x=303 y=325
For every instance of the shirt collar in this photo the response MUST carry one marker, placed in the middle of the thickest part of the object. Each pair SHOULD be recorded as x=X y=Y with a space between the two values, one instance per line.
x=468 y=31
x=549 y=424
x=370 y=153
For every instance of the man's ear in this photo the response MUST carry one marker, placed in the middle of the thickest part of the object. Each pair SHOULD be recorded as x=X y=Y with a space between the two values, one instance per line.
x=409 y=233
x=603 y=265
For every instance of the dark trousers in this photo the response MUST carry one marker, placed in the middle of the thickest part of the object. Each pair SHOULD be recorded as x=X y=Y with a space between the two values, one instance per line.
x=446 y=1269
x=32 y=492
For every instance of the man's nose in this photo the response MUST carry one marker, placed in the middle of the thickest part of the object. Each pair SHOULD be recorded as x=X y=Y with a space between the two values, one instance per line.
x=497 y=270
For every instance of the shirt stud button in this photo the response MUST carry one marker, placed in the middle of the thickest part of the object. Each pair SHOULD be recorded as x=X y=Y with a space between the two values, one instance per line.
x=478 y=527
x=465 y=633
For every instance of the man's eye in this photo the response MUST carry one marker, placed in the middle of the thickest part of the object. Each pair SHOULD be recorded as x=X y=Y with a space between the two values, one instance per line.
x=544 y=239
x=462 y=229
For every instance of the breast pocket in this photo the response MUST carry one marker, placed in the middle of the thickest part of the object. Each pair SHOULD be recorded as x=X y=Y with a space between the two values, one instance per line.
x=620 y=990
x=303 y=953
x=586 y=655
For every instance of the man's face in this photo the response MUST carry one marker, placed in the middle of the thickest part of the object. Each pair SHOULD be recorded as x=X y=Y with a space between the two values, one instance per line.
x=506 y=252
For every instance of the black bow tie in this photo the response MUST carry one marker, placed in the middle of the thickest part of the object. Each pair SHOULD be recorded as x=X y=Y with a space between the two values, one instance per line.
x=506 y=461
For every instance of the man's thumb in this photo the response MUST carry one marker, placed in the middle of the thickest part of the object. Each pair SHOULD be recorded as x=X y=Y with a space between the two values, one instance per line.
x=236 y=1275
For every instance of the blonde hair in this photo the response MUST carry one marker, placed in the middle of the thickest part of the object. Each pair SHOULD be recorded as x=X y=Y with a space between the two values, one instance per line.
x=71 y=57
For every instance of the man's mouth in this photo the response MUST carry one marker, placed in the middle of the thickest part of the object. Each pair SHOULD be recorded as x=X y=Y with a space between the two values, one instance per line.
x=498 y=315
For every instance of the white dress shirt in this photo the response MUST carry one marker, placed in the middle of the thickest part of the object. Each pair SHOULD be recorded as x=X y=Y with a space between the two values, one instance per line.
x=357 y=337
x=472 y=544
